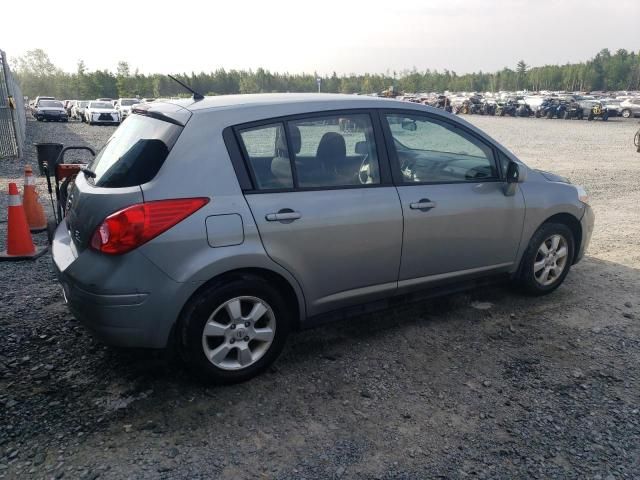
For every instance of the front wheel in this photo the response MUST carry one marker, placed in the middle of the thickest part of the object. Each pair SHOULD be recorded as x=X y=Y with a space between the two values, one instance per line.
x=547 y=260
x=233 y=330
x=626 y=113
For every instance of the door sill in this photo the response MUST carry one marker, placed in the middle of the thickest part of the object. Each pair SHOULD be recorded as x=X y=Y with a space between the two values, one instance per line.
x=402 y=299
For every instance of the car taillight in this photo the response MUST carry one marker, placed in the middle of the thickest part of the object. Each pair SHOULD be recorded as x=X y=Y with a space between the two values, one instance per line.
x=133 y=226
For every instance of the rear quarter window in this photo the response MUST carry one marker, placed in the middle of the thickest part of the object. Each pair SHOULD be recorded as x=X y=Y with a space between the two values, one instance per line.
x=135 y=152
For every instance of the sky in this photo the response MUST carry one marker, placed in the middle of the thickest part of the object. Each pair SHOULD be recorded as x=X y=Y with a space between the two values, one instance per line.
x=345 y=36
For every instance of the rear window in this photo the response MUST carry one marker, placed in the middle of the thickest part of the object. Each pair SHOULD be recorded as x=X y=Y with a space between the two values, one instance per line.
x=100 y=105
x=135 y=152
x=50 y=103
x=128 y=103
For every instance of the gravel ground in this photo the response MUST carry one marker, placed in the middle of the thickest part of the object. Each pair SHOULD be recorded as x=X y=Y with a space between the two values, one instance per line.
x=487 y=384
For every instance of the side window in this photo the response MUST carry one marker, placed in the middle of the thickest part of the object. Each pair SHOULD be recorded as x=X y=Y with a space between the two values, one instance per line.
x=432 y=151
x=336 y=150
x=268 y=157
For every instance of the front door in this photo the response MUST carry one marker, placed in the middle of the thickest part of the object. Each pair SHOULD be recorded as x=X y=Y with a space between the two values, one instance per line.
x=322 y=208
x=457 y=220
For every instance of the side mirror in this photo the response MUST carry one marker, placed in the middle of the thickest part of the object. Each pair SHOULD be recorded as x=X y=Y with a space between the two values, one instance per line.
x=513 y=172
x=512 y=178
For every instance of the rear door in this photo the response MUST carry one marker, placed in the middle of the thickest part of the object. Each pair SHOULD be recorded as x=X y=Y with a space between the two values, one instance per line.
x=457 y=220
x=325 y=206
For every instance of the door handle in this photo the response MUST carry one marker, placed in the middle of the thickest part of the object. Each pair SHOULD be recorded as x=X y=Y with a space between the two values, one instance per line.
x=284 y=215
x=423 y=204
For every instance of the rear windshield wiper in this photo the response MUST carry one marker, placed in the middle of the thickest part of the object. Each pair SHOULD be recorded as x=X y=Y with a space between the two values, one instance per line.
x=88 y=173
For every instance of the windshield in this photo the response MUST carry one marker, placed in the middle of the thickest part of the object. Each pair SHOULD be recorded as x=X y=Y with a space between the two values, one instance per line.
x=100 y=105
x=128 y=103
x=83 y=104
x=50 y=104
x=135 y=152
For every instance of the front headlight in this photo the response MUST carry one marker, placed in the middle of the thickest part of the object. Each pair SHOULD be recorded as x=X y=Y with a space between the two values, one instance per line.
x=583 y=196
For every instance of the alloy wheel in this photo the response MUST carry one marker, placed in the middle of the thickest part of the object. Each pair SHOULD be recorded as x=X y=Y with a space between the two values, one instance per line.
x=238 y=333
x=551 y=260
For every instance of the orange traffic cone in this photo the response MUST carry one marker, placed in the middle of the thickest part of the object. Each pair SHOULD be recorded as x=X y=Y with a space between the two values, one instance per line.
x=35 y=213
x=19 y=243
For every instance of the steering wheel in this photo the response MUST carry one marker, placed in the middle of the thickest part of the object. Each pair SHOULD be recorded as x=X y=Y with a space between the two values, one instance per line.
x=364 y=172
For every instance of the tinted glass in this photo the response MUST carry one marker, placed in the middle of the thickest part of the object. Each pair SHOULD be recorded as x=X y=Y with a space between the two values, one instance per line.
x=337 y=150
x=433 y=151
x=100 y=105
x=268 y=157
x=135 y=152
x=50 y=104
x=128 y=103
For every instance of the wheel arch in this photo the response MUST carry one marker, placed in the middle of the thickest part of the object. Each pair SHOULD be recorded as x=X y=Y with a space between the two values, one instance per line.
x=574 y=225
x=291 y=297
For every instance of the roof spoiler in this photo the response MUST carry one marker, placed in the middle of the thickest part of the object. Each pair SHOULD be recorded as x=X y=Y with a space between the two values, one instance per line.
x=163 y=111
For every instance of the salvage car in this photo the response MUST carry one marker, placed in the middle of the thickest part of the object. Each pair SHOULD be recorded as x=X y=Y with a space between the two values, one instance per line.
x=101 y=112
x=218 y=225
x=77 y=111
x=123 y=106
x=630 y=108
x=51 y=110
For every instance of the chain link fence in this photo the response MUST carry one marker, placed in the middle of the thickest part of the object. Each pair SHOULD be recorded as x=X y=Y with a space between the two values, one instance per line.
x=13 y=120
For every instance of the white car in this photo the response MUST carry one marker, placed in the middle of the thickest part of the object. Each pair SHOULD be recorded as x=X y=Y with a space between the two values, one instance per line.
x=124 y=105
x=101 y=112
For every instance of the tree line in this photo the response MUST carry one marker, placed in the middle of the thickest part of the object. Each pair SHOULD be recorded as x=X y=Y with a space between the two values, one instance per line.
x=606 y=71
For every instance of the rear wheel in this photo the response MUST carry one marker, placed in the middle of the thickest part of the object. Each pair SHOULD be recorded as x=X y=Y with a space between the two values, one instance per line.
x=548 y=258
x=235 y=329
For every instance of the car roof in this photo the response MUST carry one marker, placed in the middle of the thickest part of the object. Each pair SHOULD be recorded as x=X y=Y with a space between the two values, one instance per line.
x=340 y=101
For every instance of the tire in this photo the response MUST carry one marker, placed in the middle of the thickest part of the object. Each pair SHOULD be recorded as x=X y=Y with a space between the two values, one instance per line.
x=531 y=274
x=243 y=292
x=626 y=113
x=537 y=115
x=567 y=116
x=549 y=114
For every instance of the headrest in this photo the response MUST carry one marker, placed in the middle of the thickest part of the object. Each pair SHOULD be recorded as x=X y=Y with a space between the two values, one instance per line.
x=331 y=146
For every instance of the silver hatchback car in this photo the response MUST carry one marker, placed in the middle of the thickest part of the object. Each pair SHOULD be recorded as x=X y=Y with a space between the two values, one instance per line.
x=219 y=225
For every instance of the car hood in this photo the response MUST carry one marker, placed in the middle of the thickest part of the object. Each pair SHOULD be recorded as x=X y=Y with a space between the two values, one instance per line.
x=552 y=177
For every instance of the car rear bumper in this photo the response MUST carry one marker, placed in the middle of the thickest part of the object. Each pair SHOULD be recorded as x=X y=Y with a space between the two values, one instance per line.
x=125 y=302
x=587 y=222
x=51 y=116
